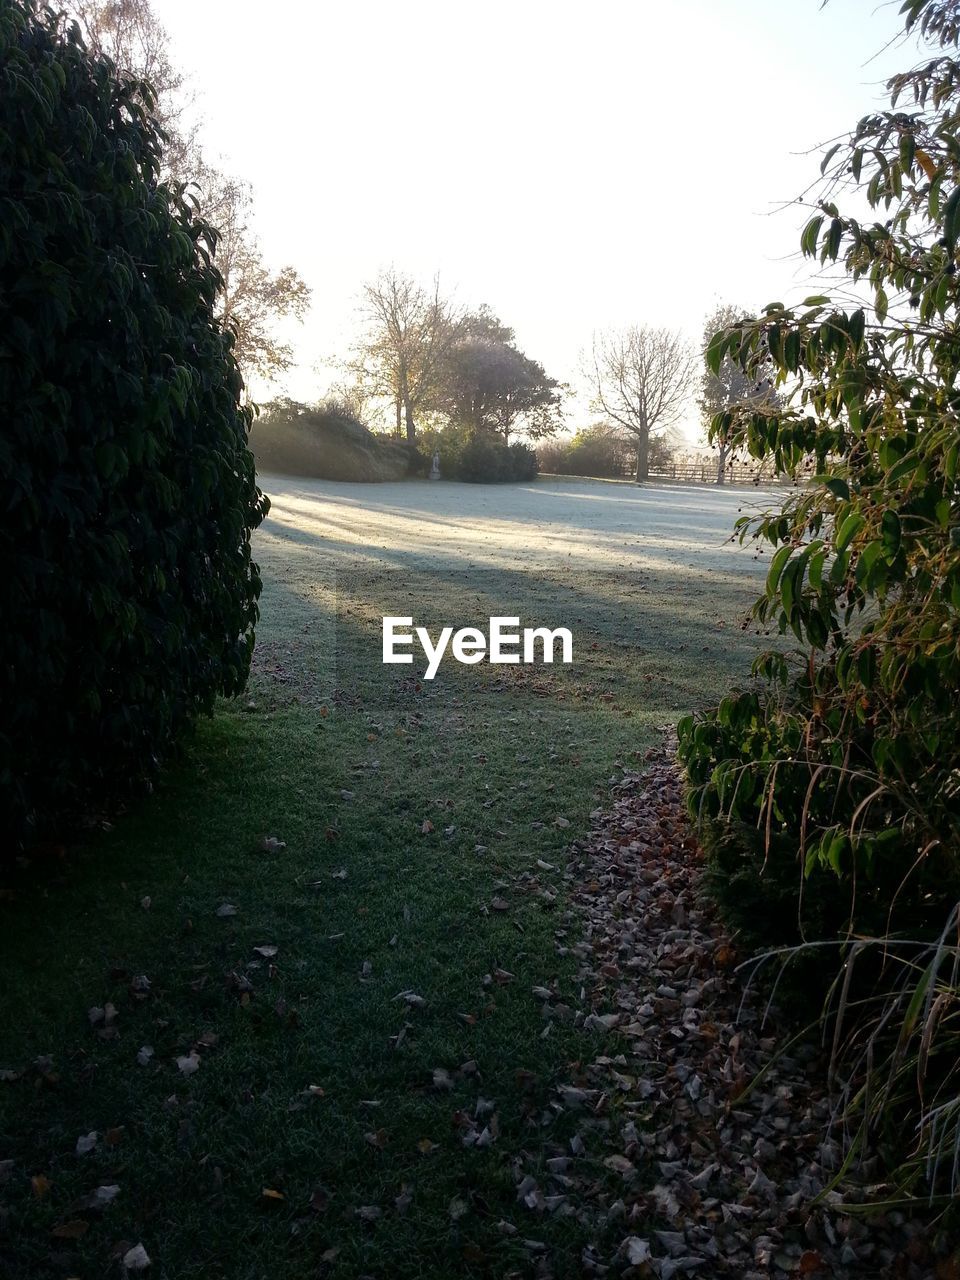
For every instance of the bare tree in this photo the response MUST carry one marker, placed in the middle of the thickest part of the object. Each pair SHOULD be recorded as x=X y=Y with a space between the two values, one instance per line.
x=409 y=333
x=641 y=379
x=252 y=298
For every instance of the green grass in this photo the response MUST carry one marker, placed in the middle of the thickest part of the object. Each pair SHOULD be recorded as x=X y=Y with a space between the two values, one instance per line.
x=343 y=760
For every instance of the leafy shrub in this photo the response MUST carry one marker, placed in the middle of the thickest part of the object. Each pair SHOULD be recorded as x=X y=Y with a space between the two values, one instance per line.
x=328 y=442
x=521 y=462
x=128 y=594
x=481 y=457
x=600 y=451
x=846 y=760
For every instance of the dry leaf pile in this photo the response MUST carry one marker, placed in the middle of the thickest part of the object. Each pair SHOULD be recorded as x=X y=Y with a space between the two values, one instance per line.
x=677 y=1172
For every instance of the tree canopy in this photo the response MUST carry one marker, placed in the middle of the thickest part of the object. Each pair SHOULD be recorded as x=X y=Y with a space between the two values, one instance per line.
x=488 y=384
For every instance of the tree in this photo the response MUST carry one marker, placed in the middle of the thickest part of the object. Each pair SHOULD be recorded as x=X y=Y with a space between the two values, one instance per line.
x=641 y=378
x=730 y=386
x=129 y=33
x=487 y=384
x=128 y=592
x=847 y=756
x=409 y=334
x=252 y=298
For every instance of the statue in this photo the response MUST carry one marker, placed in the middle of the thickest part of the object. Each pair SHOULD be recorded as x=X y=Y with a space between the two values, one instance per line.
x=435 y=469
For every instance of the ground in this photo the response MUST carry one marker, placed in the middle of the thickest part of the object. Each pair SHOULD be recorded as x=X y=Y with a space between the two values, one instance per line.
x=319 y=1108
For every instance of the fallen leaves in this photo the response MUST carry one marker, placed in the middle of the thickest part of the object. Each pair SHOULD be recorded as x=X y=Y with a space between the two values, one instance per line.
x=226 y=910
x=71 y=1230
x=189 y=1064
x=87 y=1142
x=411 y=998
x=136 y=1259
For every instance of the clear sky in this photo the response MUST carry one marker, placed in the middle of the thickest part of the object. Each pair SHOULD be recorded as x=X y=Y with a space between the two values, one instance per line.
x=574 y=165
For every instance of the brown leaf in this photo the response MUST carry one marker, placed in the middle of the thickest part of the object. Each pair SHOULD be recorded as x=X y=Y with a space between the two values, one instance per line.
x=425 y=1146
x=71 y=1230
x=810 y=1261
x=379 y=1139
x=268 y=1193
x=40 y=1184
x=426 y=827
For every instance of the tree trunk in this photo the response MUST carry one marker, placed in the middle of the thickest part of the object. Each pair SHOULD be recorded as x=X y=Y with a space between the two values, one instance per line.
x=643 y=458
x=722 y=465
x=399 y=408
x=411 y=425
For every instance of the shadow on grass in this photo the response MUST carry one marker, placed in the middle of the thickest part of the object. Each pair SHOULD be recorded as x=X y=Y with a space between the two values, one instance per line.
x=405 y=808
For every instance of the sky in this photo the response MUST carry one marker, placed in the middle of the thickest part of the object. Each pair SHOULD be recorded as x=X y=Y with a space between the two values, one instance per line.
x=576 y=166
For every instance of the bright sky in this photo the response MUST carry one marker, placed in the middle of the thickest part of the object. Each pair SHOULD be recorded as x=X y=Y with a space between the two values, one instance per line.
x=574 y=165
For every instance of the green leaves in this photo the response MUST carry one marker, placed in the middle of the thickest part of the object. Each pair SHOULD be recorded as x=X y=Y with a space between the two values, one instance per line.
x=128 y=596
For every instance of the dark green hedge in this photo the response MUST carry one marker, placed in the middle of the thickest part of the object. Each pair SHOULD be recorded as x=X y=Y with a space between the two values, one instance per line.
x=485 y=459
x=127 y=593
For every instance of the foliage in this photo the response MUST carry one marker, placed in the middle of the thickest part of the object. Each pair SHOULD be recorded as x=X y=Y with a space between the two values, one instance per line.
x=730 y=385
x=487 y=384
x=641 y=378
x=252 y=298
x=328 y=441
x=128 y=592
x=850 y=750
x=600 y=450
x=409 y=332
x=480 y=457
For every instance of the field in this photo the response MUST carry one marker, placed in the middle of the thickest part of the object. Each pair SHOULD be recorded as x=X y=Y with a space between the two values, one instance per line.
x=394 y=848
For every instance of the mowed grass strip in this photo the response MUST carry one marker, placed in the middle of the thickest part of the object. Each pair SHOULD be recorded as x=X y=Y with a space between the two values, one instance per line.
x=406 y=810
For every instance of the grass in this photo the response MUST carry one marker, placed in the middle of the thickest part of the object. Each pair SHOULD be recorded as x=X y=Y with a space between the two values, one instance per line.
x=344 y=761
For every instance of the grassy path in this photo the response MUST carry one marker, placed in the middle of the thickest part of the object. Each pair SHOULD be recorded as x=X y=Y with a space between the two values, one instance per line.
x=325 y=1123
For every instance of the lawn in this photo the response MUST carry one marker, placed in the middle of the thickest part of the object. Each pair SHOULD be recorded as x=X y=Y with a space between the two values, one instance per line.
x=351 y=1102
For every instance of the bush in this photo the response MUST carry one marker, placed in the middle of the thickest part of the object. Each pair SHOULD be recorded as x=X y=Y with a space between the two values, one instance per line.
x=480 y=457
x=600 y=451
x=128 y=594
x=484 y=460
x=845 y=762
x=328 y=442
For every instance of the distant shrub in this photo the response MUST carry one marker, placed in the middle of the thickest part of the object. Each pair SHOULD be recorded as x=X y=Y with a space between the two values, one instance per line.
x=485 y=459
x=599 y=451
x=328 y=441
x=523 y=463
x=128 y=594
